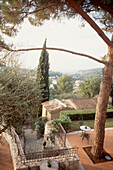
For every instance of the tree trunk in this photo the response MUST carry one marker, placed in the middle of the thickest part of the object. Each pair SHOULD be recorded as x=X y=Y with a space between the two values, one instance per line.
x=100 y=117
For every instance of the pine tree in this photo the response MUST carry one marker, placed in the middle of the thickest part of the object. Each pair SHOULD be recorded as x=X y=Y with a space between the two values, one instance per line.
x=43 y=75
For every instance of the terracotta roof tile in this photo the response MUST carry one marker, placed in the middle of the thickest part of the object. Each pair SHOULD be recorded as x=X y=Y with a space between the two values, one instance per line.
x=83 y=103
x=55 y=105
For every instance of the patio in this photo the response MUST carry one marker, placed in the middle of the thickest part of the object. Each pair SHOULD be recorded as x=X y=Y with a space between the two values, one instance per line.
x=75 y=139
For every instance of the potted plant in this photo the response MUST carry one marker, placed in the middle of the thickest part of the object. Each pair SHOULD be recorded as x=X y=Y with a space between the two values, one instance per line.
x=49 y=163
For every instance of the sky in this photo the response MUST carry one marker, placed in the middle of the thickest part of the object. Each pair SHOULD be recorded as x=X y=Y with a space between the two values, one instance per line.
x=67 y=34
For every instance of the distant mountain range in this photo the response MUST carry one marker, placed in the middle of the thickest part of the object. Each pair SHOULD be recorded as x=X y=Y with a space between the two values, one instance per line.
x=91 y=70
x=80 y=75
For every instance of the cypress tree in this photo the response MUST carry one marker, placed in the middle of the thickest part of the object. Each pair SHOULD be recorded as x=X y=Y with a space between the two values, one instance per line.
x=43 y=75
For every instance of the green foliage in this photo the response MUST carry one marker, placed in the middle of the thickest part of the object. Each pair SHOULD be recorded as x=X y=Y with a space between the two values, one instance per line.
x=75 y=125
x=90 y=88
x=53 y=94
x=79 y=114
x=83 y=114
x=93 y=74
x=55 y=123
x=40 y=126
x=104 y=58
x=64 y=120
x=42 y=79
x=64 y=84
x=63 y=88
x=14 y=12
x=67 y=95
x=18 y=97
x=54 y=131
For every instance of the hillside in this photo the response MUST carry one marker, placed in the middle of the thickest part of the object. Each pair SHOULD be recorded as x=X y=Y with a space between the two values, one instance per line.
x=87 y=74
x=80 y=75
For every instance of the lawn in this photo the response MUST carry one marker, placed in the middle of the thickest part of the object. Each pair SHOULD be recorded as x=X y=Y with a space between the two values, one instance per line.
x=75 y=125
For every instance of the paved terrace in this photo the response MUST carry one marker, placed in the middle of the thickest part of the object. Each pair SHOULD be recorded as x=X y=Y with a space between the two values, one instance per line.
x=75 y=139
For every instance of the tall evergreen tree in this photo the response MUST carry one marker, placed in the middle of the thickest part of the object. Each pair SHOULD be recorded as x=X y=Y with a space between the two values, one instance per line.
x=43 y=75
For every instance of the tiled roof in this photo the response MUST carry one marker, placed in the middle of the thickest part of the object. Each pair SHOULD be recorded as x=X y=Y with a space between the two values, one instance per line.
x=55 y=105
x=69 y=104
x=82 y=103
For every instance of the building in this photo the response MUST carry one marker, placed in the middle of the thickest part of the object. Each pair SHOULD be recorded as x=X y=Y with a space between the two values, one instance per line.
x=51 y=109
x=76 y=85
x=82 y=103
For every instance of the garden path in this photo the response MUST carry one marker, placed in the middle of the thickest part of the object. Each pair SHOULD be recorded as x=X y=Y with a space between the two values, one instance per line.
x=32 y=144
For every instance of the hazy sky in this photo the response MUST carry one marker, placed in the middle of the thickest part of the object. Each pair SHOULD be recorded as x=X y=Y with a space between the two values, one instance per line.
x=66 y=34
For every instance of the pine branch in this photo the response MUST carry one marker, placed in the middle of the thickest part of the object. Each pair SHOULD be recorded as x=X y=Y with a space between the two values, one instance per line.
x=43 y=8
x=64 y=50
x=109 y=30
x=104 y=7
x=91 y=22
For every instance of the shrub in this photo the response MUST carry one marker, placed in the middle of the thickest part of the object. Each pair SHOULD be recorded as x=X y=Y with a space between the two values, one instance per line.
x=54 y=131
x=40 y=126
x=64 y=120
x=83 y=114
x=55 y=123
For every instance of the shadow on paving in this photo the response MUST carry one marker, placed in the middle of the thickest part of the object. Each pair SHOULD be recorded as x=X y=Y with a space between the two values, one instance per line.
x=76 y=139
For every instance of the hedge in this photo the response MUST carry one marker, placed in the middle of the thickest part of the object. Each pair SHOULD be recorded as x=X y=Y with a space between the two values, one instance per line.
x=84 y=114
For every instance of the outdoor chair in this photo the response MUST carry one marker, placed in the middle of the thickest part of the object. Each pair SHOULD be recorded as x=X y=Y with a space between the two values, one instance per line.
x=86 y=135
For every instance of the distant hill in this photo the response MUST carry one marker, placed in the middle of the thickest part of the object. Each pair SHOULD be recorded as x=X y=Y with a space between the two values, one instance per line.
x=34 y=72
x=90 y=70
x=56 y=74
x=80 y=75
x=87 y=74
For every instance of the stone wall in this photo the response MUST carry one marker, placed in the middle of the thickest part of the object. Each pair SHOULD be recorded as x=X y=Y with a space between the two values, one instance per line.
x=19 y=160
x=16 y=149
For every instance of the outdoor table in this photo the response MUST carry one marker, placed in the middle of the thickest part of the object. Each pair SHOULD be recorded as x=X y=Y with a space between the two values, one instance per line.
x=54 y=165
x=84 y=130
